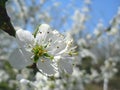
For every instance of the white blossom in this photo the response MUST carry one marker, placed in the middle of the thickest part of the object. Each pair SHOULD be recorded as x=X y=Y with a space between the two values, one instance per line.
x=3 y=76
x=47 y=48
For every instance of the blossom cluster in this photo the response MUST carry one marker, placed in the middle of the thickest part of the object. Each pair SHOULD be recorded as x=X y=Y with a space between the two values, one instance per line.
x=50 y=54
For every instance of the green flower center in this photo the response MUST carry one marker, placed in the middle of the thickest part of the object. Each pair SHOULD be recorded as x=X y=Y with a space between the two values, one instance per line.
x=40 y=51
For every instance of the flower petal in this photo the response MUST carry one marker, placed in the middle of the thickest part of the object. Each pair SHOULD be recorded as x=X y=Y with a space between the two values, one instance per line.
x=46 y=67
x=41 y=36
x=24 y=38
x=27 y=54
x=17 y=59
x=65 y=66
x=44 y=27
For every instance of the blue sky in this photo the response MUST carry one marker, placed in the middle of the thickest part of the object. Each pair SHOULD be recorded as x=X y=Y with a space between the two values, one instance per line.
x=100 y=9
x=104 y=9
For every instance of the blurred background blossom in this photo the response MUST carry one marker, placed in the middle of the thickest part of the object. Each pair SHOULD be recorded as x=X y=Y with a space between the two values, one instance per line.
x=94 y=27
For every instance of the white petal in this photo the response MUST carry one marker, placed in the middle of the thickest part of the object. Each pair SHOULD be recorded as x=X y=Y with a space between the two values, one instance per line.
x=57 y=48
x=57 y=43
x=44 y=27
x=41 y=36
x=24 y=38
x=65 y=66
x=19 y=77
x=24 y=81
x=27 y=54
x=46 y=67
x=17 y=59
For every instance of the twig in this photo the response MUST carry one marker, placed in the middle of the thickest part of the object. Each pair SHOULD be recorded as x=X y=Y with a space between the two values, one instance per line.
x=5 y=23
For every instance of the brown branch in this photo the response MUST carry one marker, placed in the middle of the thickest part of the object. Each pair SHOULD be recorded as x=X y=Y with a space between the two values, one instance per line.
x=5 y=23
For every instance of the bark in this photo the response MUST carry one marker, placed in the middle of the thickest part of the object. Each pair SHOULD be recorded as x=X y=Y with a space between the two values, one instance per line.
x=5 y=23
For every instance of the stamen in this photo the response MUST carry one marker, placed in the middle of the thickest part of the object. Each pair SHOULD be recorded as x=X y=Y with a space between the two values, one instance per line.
x=40 y=51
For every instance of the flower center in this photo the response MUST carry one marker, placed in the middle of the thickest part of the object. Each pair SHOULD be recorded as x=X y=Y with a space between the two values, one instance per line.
x=40 y=51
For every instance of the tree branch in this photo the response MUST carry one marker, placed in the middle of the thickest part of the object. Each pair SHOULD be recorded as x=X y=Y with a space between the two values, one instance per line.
x=5 y=23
